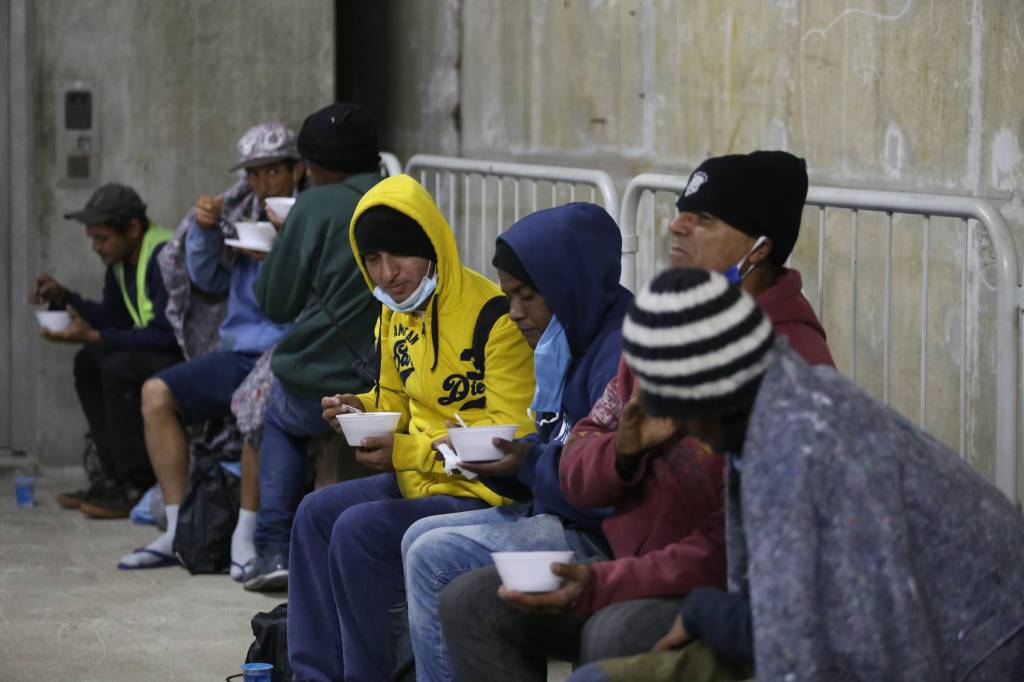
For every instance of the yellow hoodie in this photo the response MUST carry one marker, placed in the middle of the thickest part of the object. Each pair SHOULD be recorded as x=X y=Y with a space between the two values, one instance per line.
x=427 y=397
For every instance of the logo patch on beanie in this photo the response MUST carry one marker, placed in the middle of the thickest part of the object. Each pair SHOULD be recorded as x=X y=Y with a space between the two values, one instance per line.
x=698 y=179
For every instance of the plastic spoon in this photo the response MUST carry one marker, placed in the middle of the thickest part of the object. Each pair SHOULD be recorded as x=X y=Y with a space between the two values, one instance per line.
x=348 y=408
x=462 y=422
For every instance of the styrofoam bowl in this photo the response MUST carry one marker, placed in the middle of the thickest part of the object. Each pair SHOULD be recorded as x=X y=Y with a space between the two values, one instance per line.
x=259 y=234
x=53 y=320
x=356 y=427
x=281 y=205
x=530 y=571
x=473 y=443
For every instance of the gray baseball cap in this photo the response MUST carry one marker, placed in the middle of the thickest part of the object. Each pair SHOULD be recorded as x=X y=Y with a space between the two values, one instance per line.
x=107 y=203
x=266 y=143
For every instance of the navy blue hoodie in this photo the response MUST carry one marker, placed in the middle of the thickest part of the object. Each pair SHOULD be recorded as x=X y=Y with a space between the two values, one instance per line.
x=573 y=254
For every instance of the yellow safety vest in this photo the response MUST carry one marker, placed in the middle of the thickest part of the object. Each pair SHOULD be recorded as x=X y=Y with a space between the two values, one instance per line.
x=142 y=313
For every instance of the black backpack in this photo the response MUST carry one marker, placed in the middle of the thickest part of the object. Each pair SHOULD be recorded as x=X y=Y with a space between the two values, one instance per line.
x=270 y=629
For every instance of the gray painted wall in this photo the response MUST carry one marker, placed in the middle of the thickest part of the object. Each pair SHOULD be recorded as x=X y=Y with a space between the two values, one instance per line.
x=884 y=94
x=179 y=82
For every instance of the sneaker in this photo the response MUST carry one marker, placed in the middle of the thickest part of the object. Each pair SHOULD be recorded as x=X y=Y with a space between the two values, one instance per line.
x=115 y=502
x=75 y=498
x=268 y=574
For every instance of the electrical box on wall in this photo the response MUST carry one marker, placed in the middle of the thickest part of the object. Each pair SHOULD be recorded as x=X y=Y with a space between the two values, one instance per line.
x=78 y=134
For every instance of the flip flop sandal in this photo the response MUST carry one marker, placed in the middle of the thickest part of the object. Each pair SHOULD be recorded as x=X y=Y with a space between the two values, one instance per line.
x=243 y=568
x=164 y=560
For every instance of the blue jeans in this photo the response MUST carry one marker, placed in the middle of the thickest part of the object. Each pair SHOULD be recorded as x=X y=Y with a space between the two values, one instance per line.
x=346 y=572
x=437 y=550
x=287 y=426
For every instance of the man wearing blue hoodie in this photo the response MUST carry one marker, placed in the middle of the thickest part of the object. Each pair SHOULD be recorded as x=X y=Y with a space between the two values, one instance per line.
x=560 y=269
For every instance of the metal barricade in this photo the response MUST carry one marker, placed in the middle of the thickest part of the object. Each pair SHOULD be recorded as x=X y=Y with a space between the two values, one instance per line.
x=959 y=297
x=389 y=164
x=481 y=198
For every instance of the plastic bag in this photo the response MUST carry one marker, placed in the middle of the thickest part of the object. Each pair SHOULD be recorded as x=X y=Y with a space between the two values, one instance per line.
x=207 y=518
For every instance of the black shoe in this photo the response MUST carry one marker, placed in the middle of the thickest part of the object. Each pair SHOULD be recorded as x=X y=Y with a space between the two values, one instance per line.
x=75 y=498
x=115 y=502
x=269 y=574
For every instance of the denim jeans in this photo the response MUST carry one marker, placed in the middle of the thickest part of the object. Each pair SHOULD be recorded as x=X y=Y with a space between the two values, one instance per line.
x=437 y=550
x=346 y=572
x=287 y=427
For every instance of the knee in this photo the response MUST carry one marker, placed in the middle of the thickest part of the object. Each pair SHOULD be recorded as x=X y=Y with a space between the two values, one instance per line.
x=156 y=398
x=84 y=362
x=354 y=527
x=420 y=555
x=601 y=635
x=416 y=530
x=467 y=594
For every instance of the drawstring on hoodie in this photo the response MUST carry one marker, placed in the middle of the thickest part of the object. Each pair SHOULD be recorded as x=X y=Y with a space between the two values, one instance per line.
x=377 y=346
x=434 y=332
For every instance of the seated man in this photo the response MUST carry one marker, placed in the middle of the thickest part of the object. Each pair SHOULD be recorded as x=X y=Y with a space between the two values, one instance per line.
x=447 y=348
x=864 y=550
x=200 y=389
x=311 y=278
x=126 y=340
x=666 y=533
x=560 y=269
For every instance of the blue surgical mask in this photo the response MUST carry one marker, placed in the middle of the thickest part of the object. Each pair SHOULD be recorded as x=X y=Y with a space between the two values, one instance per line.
x=414 y=300
x=735 y=273
x=551 y=361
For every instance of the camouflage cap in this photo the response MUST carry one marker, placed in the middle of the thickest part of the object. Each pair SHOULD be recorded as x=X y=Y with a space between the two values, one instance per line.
x=109 y=202
x=265 y=143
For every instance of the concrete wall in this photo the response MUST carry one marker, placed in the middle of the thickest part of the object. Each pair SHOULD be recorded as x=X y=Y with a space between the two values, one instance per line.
x=885 y=94
x=179 y=82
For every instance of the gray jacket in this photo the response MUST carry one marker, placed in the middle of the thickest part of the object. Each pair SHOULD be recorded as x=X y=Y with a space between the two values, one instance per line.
x=869 y=550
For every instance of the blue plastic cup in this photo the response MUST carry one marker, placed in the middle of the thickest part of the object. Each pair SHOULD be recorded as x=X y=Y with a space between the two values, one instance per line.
x=25 y=490
x=256 y=672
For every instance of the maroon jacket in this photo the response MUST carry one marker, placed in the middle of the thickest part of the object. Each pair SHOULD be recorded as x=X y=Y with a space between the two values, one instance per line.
x=668 y=529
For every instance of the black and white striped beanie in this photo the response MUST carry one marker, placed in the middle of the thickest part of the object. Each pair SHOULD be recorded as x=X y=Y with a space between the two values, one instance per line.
x=698 y=345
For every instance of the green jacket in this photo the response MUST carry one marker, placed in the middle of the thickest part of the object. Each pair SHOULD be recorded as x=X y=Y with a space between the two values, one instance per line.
x=312 y=265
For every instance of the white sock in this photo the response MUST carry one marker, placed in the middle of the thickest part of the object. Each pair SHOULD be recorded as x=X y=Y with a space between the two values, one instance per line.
x=243 y=550
x=162 y=544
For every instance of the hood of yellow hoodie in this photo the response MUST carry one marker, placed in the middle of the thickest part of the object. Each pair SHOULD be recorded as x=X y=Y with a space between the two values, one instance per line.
x=403 y=193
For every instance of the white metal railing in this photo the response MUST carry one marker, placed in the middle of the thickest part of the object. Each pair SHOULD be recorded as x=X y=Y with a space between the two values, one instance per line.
x=389 y=164
x=966 y=210
x=481 y=198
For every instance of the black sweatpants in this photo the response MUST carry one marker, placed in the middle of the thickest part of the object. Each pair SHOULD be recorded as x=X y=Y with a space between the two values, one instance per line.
x=109 y=387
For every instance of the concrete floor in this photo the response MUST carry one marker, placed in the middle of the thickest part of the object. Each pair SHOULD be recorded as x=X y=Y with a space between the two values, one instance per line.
x=66 y=612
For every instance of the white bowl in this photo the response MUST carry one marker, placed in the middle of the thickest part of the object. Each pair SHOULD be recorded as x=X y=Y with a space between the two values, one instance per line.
x=256 y=234
x=53 y=320
x=473 y=443
x=281 y=205
x=530 y=571
x=356 y=427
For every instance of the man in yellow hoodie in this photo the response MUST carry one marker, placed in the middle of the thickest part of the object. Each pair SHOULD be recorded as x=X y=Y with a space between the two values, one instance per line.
x=447 y=346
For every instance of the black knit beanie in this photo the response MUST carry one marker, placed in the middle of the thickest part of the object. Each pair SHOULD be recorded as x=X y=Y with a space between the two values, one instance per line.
x=382 y=228
x=762 y=193
x=341 y=137
x=505 y=258
x=698 y=345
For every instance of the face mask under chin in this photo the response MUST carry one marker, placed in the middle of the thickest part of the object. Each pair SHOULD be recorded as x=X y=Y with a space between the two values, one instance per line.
x=414 y=300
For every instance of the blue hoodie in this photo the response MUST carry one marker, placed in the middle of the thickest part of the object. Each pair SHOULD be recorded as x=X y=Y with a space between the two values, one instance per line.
x=573 y=254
